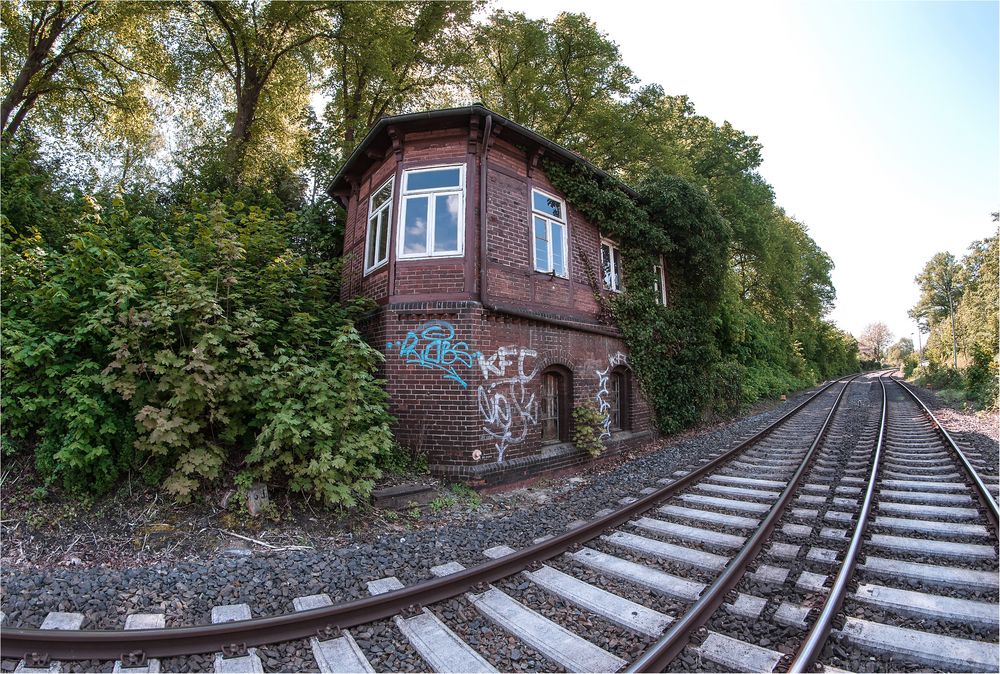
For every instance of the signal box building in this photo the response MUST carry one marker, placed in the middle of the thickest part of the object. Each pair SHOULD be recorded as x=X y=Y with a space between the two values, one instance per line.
x=485 y=281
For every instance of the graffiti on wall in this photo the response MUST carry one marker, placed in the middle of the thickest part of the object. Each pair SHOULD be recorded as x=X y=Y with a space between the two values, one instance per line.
x=507 y=409
x=603 y=404
x=433 y=346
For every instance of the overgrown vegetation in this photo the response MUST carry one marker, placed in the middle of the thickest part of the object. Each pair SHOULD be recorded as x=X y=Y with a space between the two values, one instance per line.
x=171 y=258
x=709 y=349
x=180 y=341
x=957 y=312
x=587 y=424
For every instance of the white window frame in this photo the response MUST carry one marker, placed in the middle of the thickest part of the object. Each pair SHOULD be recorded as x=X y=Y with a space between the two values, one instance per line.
x=373 y=215
x=658 y=269
x=431 y=193
x=549 y=221
x=615 y=272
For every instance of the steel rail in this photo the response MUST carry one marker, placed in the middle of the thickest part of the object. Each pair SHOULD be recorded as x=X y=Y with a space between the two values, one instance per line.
x=325 y=622
x=814 y=641
x=989 y=504
x=666 y=648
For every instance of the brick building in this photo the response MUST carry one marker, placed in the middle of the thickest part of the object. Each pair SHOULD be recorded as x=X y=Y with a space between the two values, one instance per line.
x=484 y=277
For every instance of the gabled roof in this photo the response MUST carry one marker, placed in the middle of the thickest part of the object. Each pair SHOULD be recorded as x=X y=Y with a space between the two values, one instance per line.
x=378 y=142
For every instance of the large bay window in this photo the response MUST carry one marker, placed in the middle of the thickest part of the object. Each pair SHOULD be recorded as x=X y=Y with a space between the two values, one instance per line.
x=377 y=236
x=432 y=212
x=611 y=265
x=548 y=217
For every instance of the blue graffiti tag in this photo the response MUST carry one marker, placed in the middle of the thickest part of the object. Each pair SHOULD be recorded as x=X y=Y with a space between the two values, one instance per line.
x=435 y=348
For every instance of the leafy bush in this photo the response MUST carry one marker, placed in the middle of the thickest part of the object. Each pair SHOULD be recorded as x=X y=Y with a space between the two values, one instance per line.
x=182 y=343
x=588 y=423
x=937 y=377
x=982 y=378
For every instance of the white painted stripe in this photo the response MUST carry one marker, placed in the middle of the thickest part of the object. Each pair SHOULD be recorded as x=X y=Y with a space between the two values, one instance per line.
x=440 y=648
x=640 y=574
x=668 y=551
x=937 y=650
x=551 y=640
x=611 y=607
x=926 y=605
x=684 y=532
x=941 y=548
x=738 y=655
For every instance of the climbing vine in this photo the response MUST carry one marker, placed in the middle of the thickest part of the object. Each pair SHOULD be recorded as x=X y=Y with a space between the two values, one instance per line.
x=672 y=349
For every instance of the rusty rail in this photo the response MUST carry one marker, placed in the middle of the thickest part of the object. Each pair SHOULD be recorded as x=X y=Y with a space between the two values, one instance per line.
x=325 y=622
x=666 y=648
x=989 y=504
x=813 y=643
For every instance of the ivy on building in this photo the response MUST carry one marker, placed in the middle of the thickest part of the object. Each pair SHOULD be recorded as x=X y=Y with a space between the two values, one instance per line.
x=672 y=349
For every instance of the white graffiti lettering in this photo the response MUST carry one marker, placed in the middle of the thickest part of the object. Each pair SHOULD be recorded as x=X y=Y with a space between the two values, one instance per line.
x=508 y=410
x=603 y=404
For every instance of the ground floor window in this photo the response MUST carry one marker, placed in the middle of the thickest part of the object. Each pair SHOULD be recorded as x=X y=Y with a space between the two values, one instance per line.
x=618 y=400
x=554 y=405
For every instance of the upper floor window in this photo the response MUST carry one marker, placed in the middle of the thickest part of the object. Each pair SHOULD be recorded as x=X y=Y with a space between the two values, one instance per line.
x=611 y=265
x=377 y=236
x=548 y=216
x=660 y=282
x=432 y=212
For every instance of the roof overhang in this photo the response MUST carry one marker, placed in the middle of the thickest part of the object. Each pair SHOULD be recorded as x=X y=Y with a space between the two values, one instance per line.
x=388 y=130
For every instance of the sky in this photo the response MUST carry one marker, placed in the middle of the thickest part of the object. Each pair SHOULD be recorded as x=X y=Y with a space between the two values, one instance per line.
x=879 y=120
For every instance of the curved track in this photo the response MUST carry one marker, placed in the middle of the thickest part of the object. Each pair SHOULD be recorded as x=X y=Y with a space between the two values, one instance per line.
x=676 y=570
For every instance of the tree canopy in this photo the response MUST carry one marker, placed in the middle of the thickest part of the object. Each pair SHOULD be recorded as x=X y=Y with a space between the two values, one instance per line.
x=165 y=210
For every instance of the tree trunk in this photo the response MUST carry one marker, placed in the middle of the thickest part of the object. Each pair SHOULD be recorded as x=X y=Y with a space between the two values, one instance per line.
x=37 y=53
x=954 y=338
x=246 y=111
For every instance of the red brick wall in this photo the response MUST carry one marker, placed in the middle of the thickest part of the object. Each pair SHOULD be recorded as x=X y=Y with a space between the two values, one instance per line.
x=436 y=353
x=438 y=339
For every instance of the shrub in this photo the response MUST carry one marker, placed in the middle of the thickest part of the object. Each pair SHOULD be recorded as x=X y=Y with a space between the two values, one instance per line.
x=185 y=343
x=588 y=422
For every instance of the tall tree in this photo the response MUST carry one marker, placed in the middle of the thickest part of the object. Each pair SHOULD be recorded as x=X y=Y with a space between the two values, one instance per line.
x=874 y=340
x=941 y=283
x=387 y=57
x=261 y=51
x=80 y=65
x=553 y=76
x=901 y=350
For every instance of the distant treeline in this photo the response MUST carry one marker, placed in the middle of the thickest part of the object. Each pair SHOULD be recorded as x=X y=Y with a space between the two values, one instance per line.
x=959 y=311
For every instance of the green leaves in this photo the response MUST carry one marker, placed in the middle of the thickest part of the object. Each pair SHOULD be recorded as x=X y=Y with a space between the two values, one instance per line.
x=191 y=347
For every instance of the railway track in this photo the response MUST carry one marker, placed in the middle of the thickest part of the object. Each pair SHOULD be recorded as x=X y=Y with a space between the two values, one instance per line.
x=726 y=566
